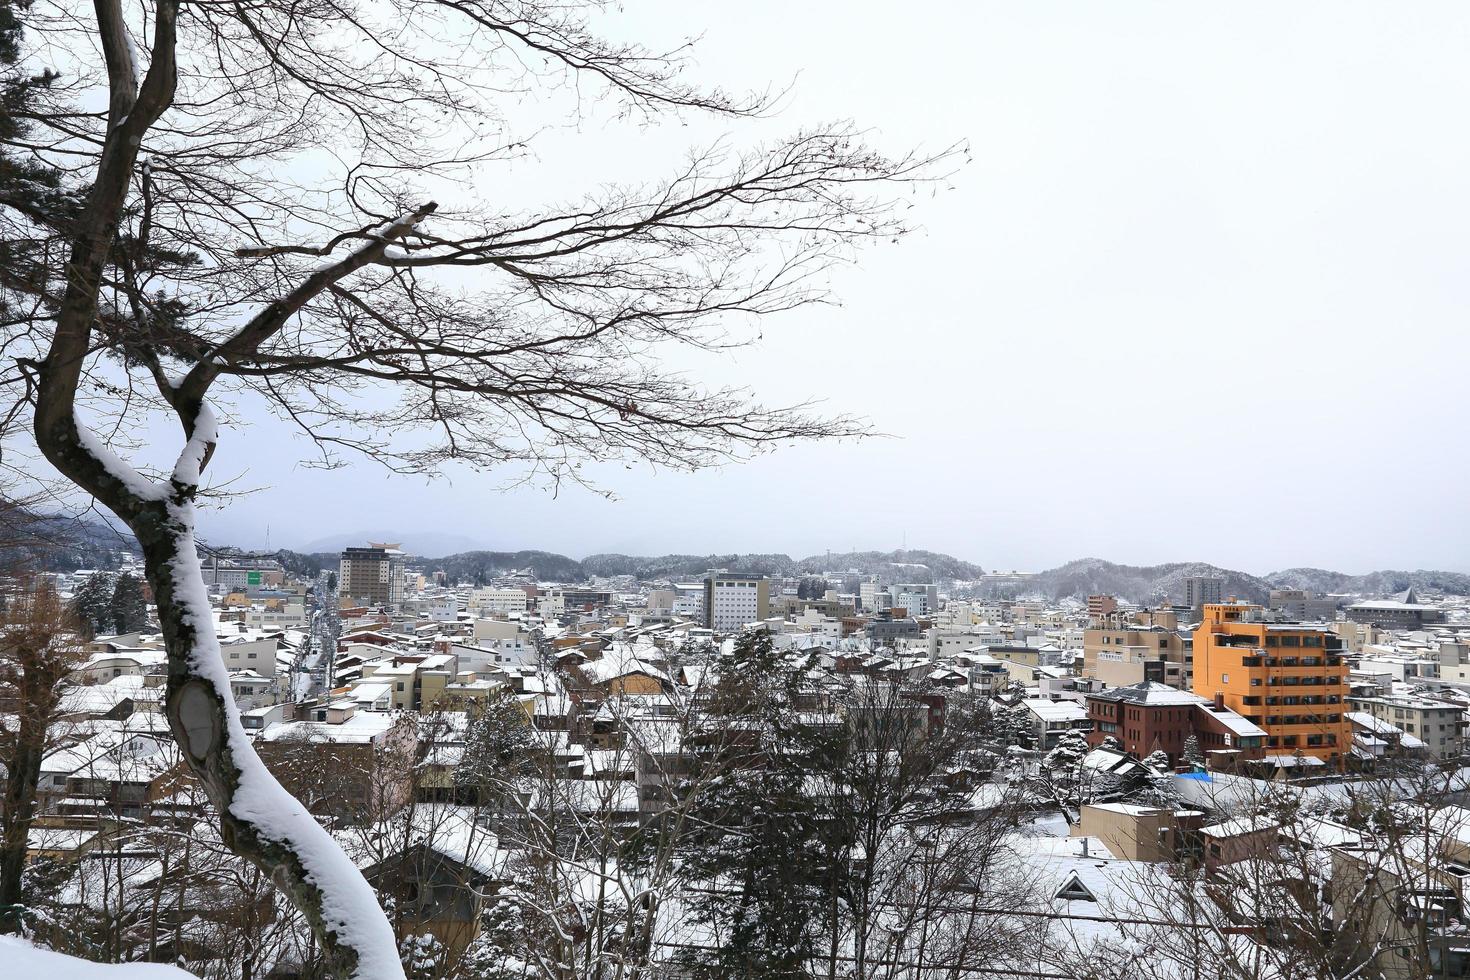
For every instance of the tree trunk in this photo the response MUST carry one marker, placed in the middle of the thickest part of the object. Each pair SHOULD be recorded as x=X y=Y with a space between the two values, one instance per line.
x=258 y=819
x=20 y=801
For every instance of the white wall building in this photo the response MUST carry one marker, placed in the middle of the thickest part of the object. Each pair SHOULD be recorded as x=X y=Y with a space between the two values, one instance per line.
x=498 y=602
x=689 y=601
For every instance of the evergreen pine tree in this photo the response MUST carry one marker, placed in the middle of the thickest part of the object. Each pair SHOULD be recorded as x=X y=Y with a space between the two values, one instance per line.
x=128 y=610
x=1159 y=788
x=1192 y=752
x=29 y=189
x=91 y=604
x=755 y=824
x=1158 y=761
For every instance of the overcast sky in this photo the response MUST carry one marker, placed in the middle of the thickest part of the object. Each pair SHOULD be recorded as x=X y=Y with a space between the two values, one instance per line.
x=1201 y=296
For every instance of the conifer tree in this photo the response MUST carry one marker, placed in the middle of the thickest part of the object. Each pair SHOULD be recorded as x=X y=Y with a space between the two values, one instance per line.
x=128 y=609
x=91 y=604
x=28 y=188
x=1193 y=755
x=756 y=825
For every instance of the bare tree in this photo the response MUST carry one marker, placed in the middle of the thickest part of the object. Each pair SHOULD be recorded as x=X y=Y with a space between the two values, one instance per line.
x=39 y=645
x=192 y=269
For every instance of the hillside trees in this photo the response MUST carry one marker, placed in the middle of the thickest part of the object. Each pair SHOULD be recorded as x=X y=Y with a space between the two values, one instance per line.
x=252 y=226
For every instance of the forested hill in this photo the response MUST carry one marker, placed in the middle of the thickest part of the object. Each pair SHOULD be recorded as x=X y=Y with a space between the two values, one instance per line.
x=477 y=566
x=1153 y=583
x=1380 y=582
x=35 y=542
x=1141 y=583
x=907 y=566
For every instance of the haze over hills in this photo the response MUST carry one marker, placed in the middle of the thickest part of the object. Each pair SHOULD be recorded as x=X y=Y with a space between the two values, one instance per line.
x=63 y=543
x=1388 y=580
x=1141 y=583
x=913 y=566
x=414 y=542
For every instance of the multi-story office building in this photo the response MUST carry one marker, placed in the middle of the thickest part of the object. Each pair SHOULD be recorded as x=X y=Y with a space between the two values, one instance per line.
x=238 y=576
x=1403 y=612
x=556 y=602
x=1288 y=678
x=1121 y=650
x=918 y=600
x=498 y=602
x=1435 y=723
x=1202 y=590
x=372 y=576
x=689 y=601
x=733 y=599
x=1300 y=605
x=1101 y=605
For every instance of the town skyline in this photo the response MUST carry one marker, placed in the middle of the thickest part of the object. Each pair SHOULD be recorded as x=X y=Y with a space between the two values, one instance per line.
x=427 y=543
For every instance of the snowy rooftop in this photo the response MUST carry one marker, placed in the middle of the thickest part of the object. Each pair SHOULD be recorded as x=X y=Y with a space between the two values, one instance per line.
x=360 y=728
x=1240 y=826
x=1050 y=711
x=1150 y=693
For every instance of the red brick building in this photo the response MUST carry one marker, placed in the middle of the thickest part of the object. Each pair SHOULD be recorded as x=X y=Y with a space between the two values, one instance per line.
x=1150 y=716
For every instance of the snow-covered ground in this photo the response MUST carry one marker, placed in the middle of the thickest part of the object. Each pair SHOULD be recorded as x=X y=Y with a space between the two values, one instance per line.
x=19 y=958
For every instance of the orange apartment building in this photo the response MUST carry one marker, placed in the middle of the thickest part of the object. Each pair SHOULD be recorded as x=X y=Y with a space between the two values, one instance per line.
x=1288 y=678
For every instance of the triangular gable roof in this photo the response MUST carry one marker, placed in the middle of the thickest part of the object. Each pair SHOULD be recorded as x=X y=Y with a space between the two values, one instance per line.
x=1073 y=890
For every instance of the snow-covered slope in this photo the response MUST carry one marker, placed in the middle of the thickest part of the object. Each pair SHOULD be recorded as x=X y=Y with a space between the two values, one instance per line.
x=19 y=958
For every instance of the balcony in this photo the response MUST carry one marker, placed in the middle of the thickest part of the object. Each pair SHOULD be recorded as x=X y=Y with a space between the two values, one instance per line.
x=1313 y=722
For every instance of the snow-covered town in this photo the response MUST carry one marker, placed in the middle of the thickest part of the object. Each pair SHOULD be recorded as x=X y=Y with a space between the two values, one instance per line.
x=650 y=490
x=836 y=773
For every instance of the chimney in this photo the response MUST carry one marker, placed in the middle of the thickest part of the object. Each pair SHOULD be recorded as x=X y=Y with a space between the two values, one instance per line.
x=1084 y=847
x=1219 y=701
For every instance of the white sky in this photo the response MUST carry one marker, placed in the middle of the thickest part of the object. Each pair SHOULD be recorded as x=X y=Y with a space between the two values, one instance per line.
x=1201 y=295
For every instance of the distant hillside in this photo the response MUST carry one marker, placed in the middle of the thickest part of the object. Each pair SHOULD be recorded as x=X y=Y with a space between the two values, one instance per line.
x=685 y=566
x=470 y=566
x=895 y=567
x=303 y=564
x=57 y=543
x=892 y=566
x=1141 y=583
x=412 y=542
x=1385 y=581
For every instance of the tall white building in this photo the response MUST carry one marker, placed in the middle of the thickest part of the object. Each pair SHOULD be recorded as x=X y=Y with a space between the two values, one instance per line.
x=919 y=600
x=733 y=599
